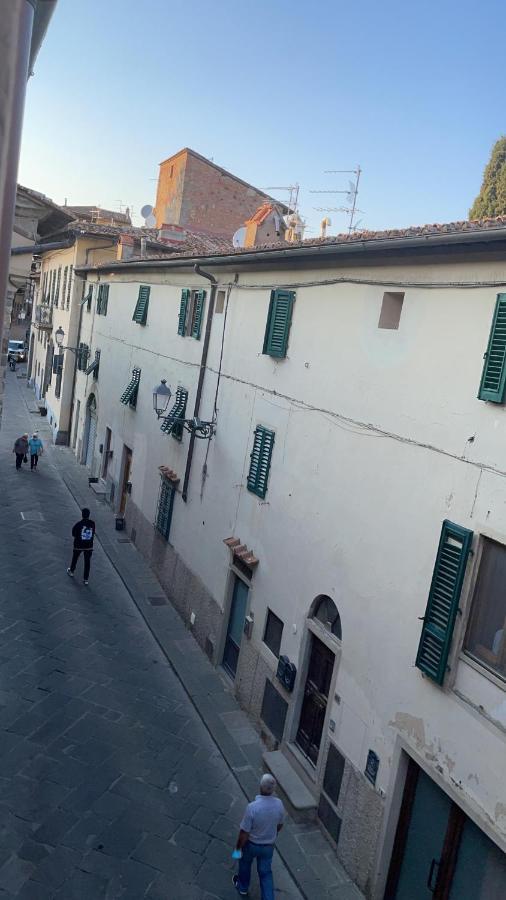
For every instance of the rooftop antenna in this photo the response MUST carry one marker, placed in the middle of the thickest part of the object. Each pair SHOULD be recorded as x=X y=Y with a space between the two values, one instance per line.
x=293 y=200
x=351 y=195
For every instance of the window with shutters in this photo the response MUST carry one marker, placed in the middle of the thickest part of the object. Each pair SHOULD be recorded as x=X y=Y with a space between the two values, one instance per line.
x=493 y=378
x=129 y=395
x=173 y=423
x=82 y=356
x=64 y=287
x=443 y=602
x=88 y=297
x=102 y=299
x=486 y=633
x=260 y=461
x=165 y=507
x=57 y=289
x=279 y=319
x=94 y=366
x=191 y=313
x=141 y=307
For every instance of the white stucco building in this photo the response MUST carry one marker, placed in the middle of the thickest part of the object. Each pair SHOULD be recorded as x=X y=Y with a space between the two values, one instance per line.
x=347 y=519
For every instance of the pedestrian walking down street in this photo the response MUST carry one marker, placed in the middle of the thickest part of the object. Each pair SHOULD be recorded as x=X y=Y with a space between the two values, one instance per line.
x=21 y=449
x=260 y=826
x=36 y=449
x=83 y=533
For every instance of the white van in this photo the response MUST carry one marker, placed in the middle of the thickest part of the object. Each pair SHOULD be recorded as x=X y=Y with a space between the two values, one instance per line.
x=17 y=350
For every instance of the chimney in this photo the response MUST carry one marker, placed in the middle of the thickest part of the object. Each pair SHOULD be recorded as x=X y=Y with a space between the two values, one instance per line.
x=171 y=234
x=324 y=225
x=125 y=247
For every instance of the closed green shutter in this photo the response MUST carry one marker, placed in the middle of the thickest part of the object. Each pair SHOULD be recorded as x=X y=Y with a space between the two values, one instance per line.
x=57 y=291
x=141 y=307
x=171 y=425
x=129 y=395
x=181 y=327
x=198 y=313
x=71 y=269
x=279 y=320
x=260 y=461
x=102 y=299
x=165 y=506
x=443 y=602
x=493 y=379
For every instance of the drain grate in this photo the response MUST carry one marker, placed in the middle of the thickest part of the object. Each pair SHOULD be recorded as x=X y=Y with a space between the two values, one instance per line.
x=123 y=540
x=32 y=516
x=157 y=601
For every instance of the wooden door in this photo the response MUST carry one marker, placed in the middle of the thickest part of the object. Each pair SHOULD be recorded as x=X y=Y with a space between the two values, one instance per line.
x=235 y=626
x=127 y=468
x=314 y=703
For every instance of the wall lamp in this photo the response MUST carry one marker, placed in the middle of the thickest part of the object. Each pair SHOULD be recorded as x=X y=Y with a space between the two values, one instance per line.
x=59 y=337
x=161 y=399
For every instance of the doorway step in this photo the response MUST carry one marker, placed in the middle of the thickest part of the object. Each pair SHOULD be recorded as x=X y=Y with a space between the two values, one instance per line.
x=300 y=801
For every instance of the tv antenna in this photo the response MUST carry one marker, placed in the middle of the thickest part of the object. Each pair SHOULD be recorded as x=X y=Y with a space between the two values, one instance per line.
x=351 y=195
x=293 y=200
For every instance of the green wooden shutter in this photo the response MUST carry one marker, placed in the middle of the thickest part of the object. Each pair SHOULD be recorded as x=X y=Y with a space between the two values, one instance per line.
x=260 y=461
x=165 y=506
x=102 y=298
x=198 y=314
x=443 y=602
x=129 y=395
x=71 y=269
x=171 y=425
x=279 y=320
x=181 y=327
x=493 y=379
x=141 y=307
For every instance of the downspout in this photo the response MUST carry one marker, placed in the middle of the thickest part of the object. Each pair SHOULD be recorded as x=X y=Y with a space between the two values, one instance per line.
x=72 y=396
x=203 y=363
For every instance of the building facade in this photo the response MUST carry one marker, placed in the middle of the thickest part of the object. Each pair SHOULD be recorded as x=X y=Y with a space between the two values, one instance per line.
x=193 y=191
x=339 y=546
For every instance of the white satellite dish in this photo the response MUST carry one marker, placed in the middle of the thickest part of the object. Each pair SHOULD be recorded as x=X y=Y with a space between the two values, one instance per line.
x=150 y=221
x=146 y=211
x=239 y=237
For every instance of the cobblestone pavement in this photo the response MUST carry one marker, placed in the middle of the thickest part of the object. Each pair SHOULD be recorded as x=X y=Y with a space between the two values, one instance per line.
x=110 y=784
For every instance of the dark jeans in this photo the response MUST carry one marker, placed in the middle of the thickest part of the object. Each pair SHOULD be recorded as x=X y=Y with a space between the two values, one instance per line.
x=34 y=458
x=263 y=855
x=19 y=459
x=87 y=561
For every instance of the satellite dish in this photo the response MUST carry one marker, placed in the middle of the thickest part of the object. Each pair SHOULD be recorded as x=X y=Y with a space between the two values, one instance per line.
x=146 y=211
x=150 y=221
x=239 y=237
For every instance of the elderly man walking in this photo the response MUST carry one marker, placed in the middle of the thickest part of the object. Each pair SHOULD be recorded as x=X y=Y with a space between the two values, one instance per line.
x=261 y=823
x=21 y=449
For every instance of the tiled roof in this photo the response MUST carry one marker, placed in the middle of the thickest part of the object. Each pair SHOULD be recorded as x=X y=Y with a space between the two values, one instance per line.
x=193 y=242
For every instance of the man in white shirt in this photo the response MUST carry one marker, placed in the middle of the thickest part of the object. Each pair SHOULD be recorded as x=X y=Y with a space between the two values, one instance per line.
x=261 y=823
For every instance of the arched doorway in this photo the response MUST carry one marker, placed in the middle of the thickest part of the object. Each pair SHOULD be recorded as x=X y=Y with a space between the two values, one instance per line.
x=325 y=636
x=90 y=432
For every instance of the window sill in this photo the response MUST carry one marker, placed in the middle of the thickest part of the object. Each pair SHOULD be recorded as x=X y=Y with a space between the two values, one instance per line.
x=483 y=669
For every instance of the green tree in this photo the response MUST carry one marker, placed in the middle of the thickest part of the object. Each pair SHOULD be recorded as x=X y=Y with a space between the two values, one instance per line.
x=491 y=201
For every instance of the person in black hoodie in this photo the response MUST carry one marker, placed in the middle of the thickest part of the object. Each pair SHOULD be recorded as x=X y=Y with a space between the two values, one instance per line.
x=83 y=533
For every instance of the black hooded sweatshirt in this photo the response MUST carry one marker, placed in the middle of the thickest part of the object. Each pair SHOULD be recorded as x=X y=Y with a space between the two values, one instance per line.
x=83 y=533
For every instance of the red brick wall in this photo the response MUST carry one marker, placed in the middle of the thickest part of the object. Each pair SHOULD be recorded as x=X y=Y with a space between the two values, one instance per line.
x=201 y=197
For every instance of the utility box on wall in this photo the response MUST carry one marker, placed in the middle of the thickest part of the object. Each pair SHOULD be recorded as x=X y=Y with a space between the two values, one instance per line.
x=286 y=673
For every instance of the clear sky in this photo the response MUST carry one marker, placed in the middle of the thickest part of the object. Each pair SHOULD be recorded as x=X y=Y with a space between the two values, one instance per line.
x=276 y=92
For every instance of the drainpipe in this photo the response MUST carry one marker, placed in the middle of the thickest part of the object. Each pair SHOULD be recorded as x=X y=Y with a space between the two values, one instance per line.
x=203 y=363
x=72 y=396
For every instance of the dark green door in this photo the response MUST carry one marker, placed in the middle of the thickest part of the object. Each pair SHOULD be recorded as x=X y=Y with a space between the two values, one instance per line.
x=235 y=626
x=314 y=703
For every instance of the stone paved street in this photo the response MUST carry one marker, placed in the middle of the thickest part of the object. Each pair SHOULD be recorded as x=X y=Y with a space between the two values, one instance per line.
x=111 y=785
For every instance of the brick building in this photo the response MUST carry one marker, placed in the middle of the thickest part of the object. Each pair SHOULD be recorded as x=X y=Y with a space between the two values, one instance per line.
x=193 y=191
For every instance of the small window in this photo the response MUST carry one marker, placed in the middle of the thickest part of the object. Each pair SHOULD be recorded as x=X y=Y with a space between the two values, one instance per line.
x=327 y=613
x=260 y=461
x=391 y=309
x=486 y=633
x=279 y=320
x=220 y=301
x=273 y=632
x=165 y=506
x=141 y=307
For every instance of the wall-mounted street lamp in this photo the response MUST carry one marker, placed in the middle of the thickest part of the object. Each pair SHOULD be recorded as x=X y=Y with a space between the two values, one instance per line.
x=59 y=337
x=161 y=399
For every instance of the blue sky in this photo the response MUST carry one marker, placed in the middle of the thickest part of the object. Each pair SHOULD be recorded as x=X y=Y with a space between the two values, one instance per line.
x=275 y=91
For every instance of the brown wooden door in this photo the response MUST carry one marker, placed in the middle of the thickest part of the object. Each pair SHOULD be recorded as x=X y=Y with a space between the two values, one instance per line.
x=314 y=703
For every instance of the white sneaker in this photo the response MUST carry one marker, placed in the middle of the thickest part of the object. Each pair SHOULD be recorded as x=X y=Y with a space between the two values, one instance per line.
x=70 y=572
x=85 y=582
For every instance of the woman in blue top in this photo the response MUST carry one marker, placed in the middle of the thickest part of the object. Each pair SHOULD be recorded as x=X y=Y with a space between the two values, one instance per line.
x=36 y=448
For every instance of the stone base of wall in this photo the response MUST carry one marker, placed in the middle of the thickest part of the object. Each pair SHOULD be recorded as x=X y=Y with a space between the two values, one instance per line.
x=187 y=593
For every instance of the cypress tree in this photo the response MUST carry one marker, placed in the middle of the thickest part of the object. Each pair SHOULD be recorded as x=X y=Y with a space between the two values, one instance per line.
x=491 y=201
